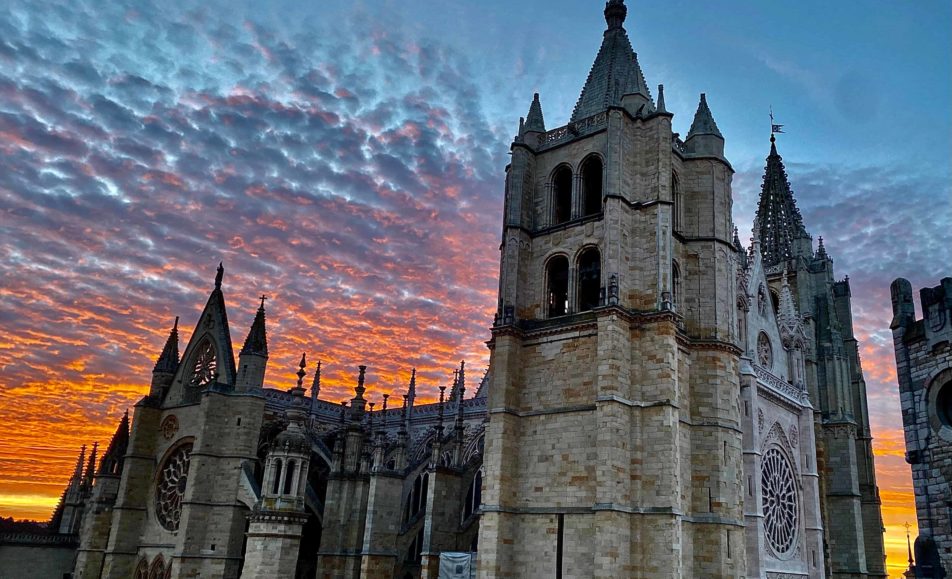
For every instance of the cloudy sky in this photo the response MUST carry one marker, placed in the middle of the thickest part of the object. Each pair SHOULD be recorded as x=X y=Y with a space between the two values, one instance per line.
x=346 y=159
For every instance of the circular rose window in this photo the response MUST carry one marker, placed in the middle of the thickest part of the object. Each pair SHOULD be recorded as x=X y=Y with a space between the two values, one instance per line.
x=780 y=501
x=173 y=476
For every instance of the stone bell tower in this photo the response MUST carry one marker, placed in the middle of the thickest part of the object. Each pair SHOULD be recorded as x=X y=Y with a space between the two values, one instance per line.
x=614 y=444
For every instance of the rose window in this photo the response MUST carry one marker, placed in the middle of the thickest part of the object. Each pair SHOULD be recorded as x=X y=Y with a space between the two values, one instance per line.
x=205 y=369
x=764 y=351
x=171 y=487
x=780 y=501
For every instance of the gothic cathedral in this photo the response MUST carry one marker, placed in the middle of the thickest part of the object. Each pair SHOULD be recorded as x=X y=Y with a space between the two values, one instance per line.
x=660 y=400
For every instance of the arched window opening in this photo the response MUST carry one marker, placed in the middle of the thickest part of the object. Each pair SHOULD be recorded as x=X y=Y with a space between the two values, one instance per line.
x=157 y=569
x=676 y=200
x=562 y=195
x=473 y=496
x=289 y=477
x=592 y=186
x=775 y=299
x=557 y=293
x=742 y=325
x=675 y=285
x=276 y=483
x=589 y=280
x=142 y=570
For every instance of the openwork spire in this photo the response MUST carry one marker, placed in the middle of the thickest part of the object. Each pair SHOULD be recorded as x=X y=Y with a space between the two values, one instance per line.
x=257 y=340
x=534 y=120
x=778 y=222
x=615 y=71
x=704 y=121
x=169 y=358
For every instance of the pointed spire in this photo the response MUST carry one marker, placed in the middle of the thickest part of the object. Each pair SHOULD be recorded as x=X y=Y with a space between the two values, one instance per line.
x=615 y=72
x=821 y=250
x=316 y=385
x=301 y=372
x=91 y=466
x=661 y=108
x=112 y=460
x=778 y=222
x=704 y=121
x=411 y=390
x=78 y=470
x=788 y=319
x=461 y=380
x=534 y=120
x=257 y=341
x=169 y=358
x=909 y=546
x=358 y=401
x=741 y=252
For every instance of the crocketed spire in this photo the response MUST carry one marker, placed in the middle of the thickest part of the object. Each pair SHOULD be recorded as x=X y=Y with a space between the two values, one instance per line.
x=778 y=222
x=534 y=120
x=615 y=71
x=169 y=358
x=257 y=340
x=704 y=121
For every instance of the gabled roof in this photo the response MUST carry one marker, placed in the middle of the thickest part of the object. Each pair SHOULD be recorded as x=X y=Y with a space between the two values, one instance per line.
x=615 y=71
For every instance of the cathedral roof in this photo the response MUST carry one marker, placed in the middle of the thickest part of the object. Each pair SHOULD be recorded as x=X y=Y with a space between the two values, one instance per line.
x=778 y=222
x=615 y=71
x=704 y=121
x=257 y=340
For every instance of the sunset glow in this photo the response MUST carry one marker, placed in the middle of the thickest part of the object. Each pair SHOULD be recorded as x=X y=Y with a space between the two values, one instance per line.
x=348 y=163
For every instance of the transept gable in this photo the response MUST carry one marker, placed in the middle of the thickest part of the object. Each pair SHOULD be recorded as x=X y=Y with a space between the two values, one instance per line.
x=208 y=357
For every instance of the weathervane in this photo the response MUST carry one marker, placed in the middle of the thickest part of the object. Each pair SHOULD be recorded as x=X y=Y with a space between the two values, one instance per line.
x=774 y=128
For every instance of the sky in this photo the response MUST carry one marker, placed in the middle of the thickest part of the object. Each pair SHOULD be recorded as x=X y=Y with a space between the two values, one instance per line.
x=347 y=160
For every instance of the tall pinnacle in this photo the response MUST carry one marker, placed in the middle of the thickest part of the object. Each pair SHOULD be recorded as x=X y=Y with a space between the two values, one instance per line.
x=112 y=460
x=169 y=358
x=534 y=120
x=778 y=222
x=615 y=72
x=704 y=121
x=257 y=340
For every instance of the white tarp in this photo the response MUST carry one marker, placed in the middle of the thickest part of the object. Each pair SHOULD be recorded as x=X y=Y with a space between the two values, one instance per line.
x=457 y=565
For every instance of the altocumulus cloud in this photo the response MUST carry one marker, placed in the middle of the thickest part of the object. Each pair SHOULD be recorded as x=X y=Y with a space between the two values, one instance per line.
x=347 y=171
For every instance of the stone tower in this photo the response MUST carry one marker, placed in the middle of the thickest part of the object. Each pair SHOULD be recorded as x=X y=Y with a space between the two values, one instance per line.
x=924 y=369
x=834 y=377
x=276 y=524
x=614 y=443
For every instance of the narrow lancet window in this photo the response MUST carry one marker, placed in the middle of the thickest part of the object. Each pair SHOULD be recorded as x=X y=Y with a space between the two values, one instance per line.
x=557 y=279
x=562 y=195
x=589 y=280
x=592 y=186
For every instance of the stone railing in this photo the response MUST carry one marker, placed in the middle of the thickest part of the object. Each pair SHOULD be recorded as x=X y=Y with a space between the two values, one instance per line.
x=786 y=389
x=574 y=130
x=38 y=539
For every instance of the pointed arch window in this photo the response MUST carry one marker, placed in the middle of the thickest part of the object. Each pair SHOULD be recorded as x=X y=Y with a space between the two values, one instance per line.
x=276 y=483
x=589 y=279
x=473 y=495
x=592 y=186
x=678 y=208
x=557 y=286
x=157 y=569
x=675 y=285
x=561 y=195
x=142 y=570
x=289 y=477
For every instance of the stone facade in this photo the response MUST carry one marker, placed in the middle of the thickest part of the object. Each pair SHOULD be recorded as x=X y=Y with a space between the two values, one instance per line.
x=650 y=409
x=924 y=371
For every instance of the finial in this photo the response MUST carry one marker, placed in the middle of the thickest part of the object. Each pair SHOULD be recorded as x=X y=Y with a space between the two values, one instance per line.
x=174 y=328
x=615 y=13
x=370 y=416
x=316 y=385
x=360 y=381
x=909 y=544
x=661 y=108
x=301 y=372
x=219 y=275
x=385 y=397
x=263 y=297
x=442 y=402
